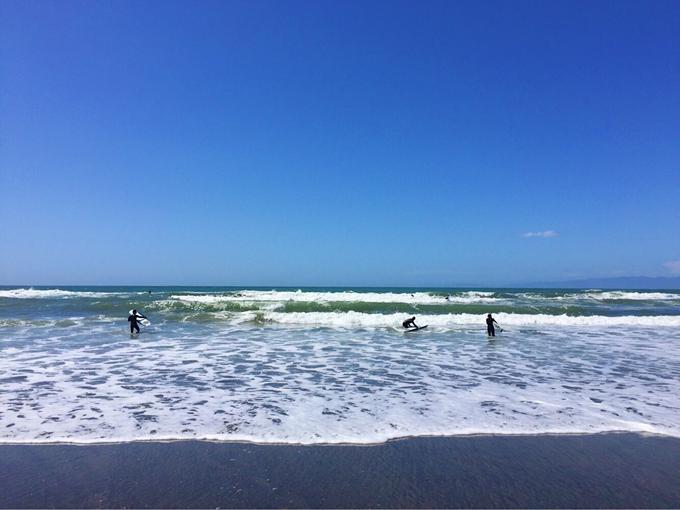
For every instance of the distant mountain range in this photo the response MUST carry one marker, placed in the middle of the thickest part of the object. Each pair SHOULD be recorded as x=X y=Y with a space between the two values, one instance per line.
x=622 y=282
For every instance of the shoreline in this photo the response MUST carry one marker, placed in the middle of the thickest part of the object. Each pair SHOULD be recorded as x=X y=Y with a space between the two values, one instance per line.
x=171 y=440
x=490 y=471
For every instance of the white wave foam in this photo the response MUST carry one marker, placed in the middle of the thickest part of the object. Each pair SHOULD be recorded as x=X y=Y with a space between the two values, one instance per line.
x=597 y=295
x=416 y=298
x=52 y=293
x=632 y=296
x=374 y=320
x=41 y=323
x=58 y=323
x=335 y=386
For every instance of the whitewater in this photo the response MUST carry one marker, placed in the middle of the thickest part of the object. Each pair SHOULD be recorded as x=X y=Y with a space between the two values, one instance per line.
x=333 y=365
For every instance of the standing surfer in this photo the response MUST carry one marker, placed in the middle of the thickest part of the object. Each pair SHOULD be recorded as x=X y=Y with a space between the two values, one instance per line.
x=132 y=319
x=489 y=326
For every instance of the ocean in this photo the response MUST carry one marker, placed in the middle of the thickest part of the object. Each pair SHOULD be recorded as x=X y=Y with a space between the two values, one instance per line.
x=333 y=365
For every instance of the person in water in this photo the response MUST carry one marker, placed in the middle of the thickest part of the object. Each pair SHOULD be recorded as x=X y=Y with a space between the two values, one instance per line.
x=132 y=319
x=410 y=323
x=490 y=330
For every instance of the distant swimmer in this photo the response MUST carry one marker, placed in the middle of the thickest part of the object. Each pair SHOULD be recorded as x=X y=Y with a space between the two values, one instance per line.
x=410 y=323
x=489 y=325
x=132 y=319
x=448 y=298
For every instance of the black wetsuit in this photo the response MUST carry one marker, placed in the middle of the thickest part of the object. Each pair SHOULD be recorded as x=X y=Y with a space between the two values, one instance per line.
x=132 y=319
x=489 y=327
x=409 y=323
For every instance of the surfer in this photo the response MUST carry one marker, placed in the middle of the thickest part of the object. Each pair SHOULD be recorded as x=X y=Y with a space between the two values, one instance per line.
x=410 y=323
x=490 y=330
x=132 y=319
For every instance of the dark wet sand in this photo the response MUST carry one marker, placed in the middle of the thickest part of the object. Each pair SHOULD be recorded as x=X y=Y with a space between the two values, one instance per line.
x=611 y=470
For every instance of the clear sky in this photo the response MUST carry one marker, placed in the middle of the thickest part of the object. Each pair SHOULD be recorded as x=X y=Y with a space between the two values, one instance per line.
x=338 y=142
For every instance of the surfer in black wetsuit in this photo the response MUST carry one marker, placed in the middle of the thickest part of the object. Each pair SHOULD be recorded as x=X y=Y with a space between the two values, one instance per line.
x=132 y=319
x=410 y=323
x=490 y=330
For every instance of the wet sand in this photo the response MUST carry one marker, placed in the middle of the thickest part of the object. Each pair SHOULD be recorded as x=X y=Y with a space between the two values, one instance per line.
x=607 y=470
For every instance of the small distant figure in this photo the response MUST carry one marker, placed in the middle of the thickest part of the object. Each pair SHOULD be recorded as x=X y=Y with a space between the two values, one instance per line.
x=410 y=323
x=132 y=319
x=448 y=298
x=490 y=321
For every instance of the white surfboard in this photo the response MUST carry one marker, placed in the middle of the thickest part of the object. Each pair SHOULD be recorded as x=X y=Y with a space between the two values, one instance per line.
x=142 y=321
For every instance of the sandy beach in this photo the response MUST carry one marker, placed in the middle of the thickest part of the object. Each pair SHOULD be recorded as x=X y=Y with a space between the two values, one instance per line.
x=579 y=471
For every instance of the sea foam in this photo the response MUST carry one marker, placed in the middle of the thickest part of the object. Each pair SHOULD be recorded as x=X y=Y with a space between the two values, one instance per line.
x=333 y=385
x=423 y=298
x=377 y=320
x=333 y=366
x=53 y=293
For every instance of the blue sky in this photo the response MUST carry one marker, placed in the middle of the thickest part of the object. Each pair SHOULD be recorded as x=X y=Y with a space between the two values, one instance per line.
x=338 y=143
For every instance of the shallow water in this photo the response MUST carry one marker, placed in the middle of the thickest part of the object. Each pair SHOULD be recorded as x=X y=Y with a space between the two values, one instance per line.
x=329 y=365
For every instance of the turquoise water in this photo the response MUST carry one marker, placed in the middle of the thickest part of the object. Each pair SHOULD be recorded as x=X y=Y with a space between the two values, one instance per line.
x=324 y=365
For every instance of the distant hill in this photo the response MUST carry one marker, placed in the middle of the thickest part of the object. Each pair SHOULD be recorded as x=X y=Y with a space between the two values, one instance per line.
x=623 y=282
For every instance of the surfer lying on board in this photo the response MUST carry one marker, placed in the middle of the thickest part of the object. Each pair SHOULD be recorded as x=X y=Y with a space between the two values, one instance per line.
x=489 y=326
x=410 y=323
x=132 y=319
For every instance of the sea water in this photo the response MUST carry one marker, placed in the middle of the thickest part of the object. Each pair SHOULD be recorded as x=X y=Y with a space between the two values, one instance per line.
x=334 y=365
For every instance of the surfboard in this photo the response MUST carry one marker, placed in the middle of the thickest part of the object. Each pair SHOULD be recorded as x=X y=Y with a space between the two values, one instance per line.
x=416 y=329
x=143 y=322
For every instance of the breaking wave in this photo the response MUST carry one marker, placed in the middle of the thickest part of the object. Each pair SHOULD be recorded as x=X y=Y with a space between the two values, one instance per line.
x=416 y=298
x=373 y=320
x=55 y=293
